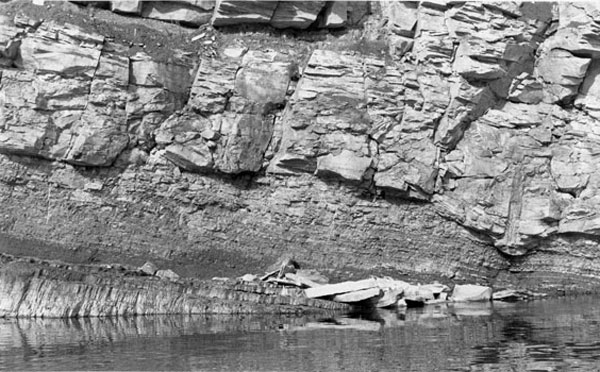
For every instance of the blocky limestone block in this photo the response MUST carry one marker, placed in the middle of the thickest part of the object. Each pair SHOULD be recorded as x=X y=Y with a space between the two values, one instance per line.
x=23 y=130
x=127 y=6
x=562 y=74
x=195 y=156
x=263 y=77
x=433 y=44
x=147 y=108
x=336 y=14
x=577 y=29
x=148 y=268
x=480 y=60
x=470 y=293
x=235 y=12
x=407 y=155
x=345 y=165
x=184 y=147
x=167 y=274
x=96 y=141
x=74 y=91
x=411 y=171
x=526 y=89
x=467 y=103
x=236 y=93
x=327 y=114
x=588 y=98
x=245 y=140
x=176 y=11
x=402 y=16
x=63 y=50
x=9 y=44
x=500 y=179
x=171 y=76
x=296 y=14
x=213 y=85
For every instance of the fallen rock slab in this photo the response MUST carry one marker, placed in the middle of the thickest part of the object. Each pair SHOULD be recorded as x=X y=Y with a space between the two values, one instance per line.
x=149 y=268
x=389 y=298
x=126 y=6
x=248 y=278
x=167 y=274
x=339 y=288
x=358 y=296
x=512 y=295
x=471 y=293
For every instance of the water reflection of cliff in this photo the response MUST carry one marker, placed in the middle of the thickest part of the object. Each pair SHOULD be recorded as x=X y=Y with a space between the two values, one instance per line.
x=547 y=335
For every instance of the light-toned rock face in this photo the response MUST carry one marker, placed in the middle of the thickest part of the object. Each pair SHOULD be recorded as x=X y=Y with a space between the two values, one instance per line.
x=279 y=14
x=486 y=113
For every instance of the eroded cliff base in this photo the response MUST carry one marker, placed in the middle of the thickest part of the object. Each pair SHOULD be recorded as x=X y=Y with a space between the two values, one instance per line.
x=405 y=146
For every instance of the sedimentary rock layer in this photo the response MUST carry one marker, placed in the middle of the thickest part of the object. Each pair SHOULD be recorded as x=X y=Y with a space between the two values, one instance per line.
x=457 y=139
x=33 y=288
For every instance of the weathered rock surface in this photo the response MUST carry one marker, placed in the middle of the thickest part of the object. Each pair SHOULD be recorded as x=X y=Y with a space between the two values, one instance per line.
x=230 y=121
x=484 y=112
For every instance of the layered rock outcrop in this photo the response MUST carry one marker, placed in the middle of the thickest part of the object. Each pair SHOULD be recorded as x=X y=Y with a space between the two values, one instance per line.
x=477 y=120
x=51 y=289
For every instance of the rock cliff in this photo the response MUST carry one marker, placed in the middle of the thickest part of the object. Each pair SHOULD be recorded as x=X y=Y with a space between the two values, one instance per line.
x=455 y=139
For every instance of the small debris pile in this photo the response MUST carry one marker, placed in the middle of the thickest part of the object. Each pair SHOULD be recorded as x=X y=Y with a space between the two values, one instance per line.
x=383 y=292
x=151 y=269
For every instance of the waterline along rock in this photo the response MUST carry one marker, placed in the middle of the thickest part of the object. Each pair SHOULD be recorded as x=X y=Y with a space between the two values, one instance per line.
x=451 y=139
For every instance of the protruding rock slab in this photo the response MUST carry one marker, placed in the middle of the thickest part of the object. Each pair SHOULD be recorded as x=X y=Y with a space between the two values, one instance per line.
x=241 y=11
x=176 y=11
x=296 y=14
x=577 y=29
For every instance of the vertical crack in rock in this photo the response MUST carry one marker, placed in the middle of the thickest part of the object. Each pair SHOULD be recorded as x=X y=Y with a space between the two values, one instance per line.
x=509 y=244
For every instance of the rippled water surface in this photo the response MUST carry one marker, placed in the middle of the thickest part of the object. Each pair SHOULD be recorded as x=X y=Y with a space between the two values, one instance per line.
x=550 y=335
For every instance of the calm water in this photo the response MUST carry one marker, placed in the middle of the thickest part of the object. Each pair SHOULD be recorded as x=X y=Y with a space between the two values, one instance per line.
x=551 y=335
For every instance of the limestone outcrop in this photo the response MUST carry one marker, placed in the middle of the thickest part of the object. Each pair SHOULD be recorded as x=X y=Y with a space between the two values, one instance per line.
x=279 y=14
x=56 y=290
x=481 y=117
